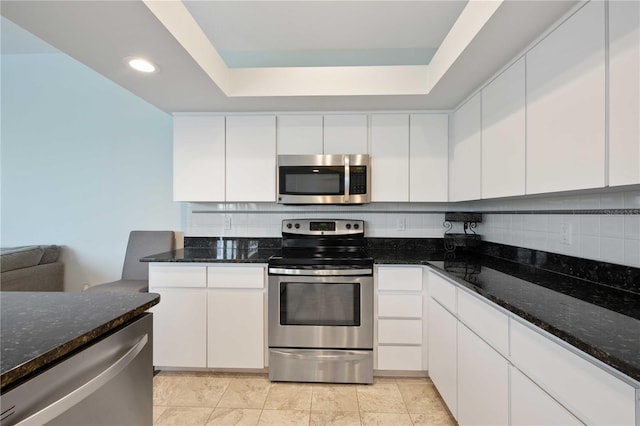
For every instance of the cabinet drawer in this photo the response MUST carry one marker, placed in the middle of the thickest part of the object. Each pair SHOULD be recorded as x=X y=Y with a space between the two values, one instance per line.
x=589 y=392
x=406 y=278
x=408 y=332
x=164 y=275
x=400 y=305
x=442 y=291
x=489 y=323
x=235 y=276
x=403 y=358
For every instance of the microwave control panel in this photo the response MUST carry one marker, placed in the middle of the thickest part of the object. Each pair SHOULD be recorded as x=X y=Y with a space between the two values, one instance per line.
x=358 y=180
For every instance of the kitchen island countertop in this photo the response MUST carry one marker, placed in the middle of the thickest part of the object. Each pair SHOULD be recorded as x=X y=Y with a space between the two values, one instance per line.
x=41 y=328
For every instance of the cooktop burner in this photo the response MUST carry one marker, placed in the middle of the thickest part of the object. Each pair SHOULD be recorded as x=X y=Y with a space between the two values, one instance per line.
x=321 y=243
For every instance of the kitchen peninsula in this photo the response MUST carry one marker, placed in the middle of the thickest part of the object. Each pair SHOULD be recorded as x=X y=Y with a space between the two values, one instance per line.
x=68 y=342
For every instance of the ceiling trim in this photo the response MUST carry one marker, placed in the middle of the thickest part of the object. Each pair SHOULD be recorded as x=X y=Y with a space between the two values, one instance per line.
x=322 y=81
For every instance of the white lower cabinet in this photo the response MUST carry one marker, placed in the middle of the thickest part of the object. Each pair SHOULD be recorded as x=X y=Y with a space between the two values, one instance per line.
x=592 y=394
x=443 y=351
x=235 y=334
x=209 y=316
x=483 y=382
x=400 y=328
x=530 y=405
x=493 y=368
x=180 y=328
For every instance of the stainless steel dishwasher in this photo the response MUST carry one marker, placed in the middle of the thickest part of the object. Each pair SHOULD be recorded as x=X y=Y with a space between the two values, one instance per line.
x=108 y=383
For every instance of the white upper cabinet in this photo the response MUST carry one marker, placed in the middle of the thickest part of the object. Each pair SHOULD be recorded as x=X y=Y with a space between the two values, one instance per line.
x=429 y=157
x=389 y=157
x=299 y=134
x=503 y=134
x=566 y=105
x=624 y=92
x=198 y=158
x=345 y=134
x=465 y=152
x=251 y=158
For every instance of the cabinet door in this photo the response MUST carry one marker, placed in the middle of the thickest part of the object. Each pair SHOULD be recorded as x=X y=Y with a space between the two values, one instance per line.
x=443 y=353
x=299 y=134
x=251 y=158
x=483 y=382
x=345 y=134
x=236 y=329
x=624 y=92
x=464 y=152
x=503 y=134
x=566 y=105
x=591 y=393
x=429 y=159
x=530 y=405
x=389 y=157
x=198 y=158
x=180 y=328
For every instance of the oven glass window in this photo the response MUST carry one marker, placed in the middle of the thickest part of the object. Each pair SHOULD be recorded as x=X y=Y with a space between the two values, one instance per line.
x=323 y=180
x=322 y=304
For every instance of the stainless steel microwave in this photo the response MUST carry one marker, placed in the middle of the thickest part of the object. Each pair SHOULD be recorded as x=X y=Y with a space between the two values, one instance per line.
x=324 y=179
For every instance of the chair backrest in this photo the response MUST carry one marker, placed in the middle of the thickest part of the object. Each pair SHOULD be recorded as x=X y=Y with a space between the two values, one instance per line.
x=141 y=244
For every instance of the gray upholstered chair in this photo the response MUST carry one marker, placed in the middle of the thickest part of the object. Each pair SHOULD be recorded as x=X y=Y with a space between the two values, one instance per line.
x=135 y=274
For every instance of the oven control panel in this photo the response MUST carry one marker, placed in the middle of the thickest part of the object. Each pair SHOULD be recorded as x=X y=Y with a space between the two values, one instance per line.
x=322 y=226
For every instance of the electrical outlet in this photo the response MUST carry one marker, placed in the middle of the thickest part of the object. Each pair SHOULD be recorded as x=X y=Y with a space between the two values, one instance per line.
x=401 y=224
x=565 y=233
x=227 y=222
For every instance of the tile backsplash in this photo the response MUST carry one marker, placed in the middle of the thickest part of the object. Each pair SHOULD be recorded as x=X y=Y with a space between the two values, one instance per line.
x=602 y=225
x=415 y=220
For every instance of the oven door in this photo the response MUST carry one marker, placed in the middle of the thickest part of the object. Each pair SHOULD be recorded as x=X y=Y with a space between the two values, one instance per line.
x=326 y=312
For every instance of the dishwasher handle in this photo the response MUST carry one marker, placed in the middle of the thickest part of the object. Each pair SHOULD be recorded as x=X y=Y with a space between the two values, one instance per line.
x=58 y=407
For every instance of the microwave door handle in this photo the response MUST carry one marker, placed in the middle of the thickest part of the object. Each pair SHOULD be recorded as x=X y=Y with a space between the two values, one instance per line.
x=347 y=178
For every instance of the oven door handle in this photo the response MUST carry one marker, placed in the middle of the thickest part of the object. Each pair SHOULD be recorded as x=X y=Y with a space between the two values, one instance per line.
x=326 y=354
x=320 y=272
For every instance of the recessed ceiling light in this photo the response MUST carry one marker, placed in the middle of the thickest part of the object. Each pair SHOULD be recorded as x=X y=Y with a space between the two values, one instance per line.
x=142 y=65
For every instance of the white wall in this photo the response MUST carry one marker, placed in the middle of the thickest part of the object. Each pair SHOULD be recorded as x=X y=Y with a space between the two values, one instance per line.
x=83 y=162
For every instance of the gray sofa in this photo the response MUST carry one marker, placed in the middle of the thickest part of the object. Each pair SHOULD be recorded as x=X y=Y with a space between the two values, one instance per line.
x=31 y=268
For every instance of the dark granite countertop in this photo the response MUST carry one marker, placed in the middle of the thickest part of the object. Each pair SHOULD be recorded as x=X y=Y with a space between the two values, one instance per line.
x=40 y=328
x=213 y=255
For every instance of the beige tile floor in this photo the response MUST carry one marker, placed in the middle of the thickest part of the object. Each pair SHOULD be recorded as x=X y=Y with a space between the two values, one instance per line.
x=245 y=399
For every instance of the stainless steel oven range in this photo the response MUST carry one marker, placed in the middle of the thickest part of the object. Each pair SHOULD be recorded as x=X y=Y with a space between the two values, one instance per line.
x=321 y=303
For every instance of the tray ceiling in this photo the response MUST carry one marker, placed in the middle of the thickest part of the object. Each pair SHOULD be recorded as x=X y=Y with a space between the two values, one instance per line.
x=289 y=55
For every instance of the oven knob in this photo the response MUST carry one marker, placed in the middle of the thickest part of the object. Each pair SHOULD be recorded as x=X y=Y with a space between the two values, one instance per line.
x=348 y=226
x=356 y=226
x=297 y=226
x=289 y=225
